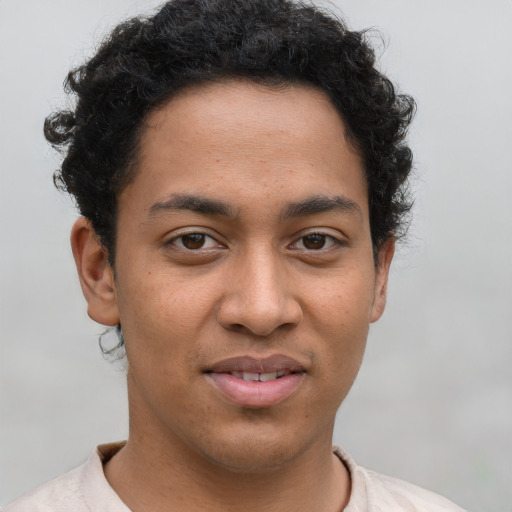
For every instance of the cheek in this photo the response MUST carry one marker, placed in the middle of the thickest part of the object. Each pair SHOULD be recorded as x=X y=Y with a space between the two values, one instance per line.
x=163 y=320
x=342 y=304
x=164 y=301
x=341 y=320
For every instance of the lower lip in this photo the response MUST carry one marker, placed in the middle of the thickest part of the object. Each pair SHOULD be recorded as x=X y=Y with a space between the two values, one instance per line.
x=256 y=394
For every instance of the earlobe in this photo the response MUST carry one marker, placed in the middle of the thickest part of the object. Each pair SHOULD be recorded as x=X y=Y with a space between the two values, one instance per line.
x=95 y=273
x=384 y=258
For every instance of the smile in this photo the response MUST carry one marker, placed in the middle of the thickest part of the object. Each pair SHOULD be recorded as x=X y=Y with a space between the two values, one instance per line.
x=256 y=383
x=261 y=377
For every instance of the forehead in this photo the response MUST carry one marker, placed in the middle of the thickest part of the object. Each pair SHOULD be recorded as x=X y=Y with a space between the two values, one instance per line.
x=241 y=138
x=254 y=109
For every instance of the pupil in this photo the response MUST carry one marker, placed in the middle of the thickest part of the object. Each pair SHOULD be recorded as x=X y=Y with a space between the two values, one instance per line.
x=314 y=241
x=193 y=241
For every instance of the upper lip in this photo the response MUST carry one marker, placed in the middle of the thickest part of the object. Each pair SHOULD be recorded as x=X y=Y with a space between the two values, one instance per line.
x=273 y=363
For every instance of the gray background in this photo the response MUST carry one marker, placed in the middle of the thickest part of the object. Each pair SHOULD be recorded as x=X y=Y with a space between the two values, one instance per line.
x=433 y=401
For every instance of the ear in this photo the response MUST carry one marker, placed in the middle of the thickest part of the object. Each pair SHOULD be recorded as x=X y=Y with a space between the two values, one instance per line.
x=384 y=258
x=95 y=273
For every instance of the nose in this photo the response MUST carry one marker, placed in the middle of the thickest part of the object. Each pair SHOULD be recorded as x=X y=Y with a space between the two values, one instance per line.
x=259 y=298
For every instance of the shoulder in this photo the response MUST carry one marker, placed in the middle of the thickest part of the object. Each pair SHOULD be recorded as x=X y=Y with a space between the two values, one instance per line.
x=374 y=492
x=59 y=495
x=390 y=493
x=83 y=489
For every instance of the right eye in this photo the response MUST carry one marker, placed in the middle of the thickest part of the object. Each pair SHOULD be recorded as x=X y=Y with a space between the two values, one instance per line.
x=194 y=242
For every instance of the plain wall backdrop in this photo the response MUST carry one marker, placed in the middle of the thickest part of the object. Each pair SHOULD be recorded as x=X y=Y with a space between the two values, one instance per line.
x=433 y=401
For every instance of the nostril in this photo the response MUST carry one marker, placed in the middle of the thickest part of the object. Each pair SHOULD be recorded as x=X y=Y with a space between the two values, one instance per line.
x=238 y=328
x=250 y=313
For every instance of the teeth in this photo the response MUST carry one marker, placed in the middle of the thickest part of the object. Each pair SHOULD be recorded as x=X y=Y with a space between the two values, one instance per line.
x=250 y=376
x=268 y=376
x=262 y=377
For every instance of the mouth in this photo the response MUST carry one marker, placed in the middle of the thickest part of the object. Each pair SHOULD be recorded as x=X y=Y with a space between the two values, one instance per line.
x=256 y=383
x=261 y=377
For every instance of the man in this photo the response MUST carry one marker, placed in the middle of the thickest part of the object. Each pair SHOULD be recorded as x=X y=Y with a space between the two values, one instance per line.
x=241 y=171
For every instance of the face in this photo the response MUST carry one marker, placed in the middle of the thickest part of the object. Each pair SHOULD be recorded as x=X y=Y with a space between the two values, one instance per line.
x=245 y=280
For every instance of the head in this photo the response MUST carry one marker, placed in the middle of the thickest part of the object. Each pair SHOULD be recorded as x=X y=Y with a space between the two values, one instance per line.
x=240 y=167
x=147 y=61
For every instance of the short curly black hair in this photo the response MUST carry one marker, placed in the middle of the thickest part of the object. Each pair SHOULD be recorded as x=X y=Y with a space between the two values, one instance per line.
x=146 y=60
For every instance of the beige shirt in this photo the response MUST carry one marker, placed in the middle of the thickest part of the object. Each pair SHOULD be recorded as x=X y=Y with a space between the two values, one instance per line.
x=85 y=489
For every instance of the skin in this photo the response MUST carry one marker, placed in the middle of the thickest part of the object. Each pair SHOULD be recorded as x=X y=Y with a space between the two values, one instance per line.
x=265 y=279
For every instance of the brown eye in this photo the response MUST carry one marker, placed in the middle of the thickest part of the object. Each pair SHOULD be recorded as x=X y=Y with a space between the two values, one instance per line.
x=193 y=240
x=314 y=241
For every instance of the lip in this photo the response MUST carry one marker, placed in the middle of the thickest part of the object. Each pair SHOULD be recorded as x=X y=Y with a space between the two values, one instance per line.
x=256 y=394
x=273 y=363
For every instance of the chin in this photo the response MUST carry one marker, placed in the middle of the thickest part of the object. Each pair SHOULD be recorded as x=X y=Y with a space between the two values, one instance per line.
x=253 y=450
x=253 y=458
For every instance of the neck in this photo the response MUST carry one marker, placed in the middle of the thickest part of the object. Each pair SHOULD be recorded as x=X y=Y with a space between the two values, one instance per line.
x=150 y=477
x=160 y=469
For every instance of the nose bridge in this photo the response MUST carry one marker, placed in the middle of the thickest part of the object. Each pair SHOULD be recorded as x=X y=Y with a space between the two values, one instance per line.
x=260 y=297
x=265 y=286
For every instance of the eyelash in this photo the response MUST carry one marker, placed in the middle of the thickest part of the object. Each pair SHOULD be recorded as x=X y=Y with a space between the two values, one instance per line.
x=330 y=240
x=178 y=241
x=334 y=242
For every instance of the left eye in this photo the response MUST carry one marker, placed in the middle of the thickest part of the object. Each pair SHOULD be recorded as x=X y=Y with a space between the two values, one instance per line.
x=195 y=241
x=315 y=242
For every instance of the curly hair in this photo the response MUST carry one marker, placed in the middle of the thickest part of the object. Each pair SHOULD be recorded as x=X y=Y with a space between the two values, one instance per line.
x=146 y=60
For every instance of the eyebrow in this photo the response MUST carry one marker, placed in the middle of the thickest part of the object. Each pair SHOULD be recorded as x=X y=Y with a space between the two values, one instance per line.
x=193 y=203
x=303 y=208
x=320 y=204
